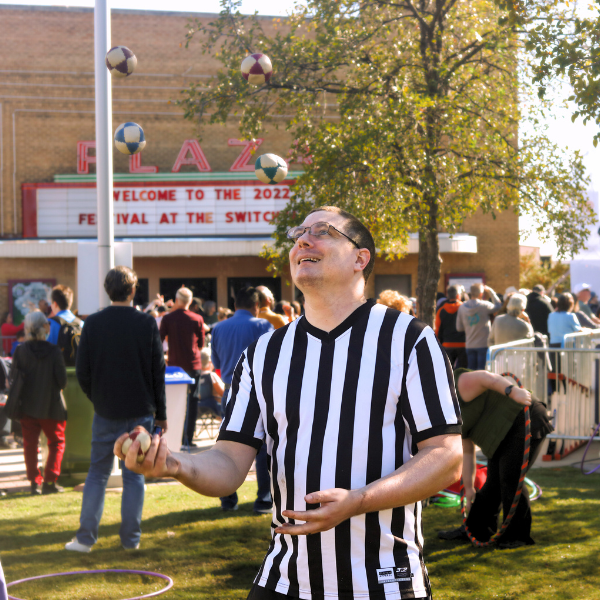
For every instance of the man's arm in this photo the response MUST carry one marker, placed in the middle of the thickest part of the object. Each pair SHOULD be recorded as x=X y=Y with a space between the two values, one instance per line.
x=494 y=298
x=158 y=378
x=436 y=466
x=469 y=470
x=83 y=367
x=474 y=383
x=216 y=472
x=460 y=324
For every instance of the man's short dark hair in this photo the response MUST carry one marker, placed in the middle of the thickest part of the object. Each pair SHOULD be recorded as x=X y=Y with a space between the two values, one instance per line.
x=246 y=298
x=452 y=292
x=63 y=296
x=119 y=283
x=355 y=230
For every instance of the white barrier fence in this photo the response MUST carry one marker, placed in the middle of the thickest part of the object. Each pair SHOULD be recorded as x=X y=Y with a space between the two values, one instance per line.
x=566 y=379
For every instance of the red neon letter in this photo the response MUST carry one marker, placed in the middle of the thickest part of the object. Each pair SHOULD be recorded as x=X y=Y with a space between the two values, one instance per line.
x=197 y=157
x=84 y=160
x=241 y=162
x=135 y=165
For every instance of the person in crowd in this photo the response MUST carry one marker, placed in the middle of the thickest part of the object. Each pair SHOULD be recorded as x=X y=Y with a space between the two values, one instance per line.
x=9 y=332
x=61 y=300
x=19 y=339
x=184 y=332
x=229 y=339
x=493 y=419
x=583 y=294
x=121 y=369
x=513 y=325
x=43 y=407
x=538 y=308
x=283 y=308
x=45 y=307
x=473 y=318
x=322 y=394
x=594 y=304
x=210 y=314
x=452 y=341
x=224 y=313
x=395 y=300
x=562 y=321
x=582 y=317
x=297 y=308
x=197 y=306
x=266 y=301
x=210 y=386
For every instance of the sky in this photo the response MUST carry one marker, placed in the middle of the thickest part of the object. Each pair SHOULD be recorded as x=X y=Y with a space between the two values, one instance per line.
x=574 y=136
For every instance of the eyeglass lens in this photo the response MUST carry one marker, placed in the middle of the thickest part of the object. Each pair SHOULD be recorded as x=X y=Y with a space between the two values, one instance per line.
x=315 y=229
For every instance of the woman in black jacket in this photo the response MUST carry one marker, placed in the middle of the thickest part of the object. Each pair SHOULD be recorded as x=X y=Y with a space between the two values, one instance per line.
x=42 y=404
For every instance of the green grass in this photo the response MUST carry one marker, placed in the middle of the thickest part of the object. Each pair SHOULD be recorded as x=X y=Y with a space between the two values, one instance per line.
x=211 y=554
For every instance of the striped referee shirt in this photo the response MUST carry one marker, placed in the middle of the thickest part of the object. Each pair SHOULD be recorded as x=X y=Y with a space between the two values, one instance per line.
x=341 y=410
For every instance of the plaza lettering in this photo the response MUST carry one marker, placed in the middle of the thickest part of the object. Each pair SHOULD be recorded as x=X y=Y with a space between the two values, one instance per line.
x=144 y=195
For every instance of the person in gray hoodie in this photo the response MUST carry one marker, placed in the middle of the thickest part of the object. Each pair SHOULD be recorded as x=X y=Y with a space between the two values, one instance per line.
x=473 y=318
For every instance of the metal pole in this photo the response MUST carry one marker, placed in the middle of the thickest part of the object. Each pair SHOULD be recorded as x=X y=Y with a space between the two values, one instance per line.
x=104 y=156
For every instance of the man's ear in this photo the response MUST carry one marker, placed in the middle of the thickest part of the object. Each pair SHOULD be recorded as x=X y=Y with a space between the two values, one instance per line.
x=362 y=259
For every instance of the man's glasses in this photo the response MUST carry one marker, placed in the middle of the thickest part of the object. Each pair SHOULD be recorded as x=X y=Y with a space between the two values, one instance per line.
x=320 y=228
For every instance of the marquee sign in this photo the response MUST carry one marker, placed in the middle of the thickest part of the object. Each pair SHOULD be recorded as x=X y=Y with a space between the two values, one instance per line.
x=55 y=210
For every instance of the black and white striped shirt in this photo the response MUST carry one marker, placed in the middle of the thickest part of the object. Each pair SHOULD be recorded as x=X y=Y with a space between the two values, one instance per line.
x=341 y=410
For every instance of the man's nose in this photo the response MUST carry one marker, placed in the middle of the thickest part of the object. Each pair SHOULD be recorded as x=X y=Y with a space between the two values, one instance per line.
x=305 y=239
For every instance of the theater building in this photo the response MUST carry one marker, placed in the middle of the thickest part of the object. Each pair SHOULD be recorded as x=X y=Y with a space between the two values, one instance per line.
x=192 y=209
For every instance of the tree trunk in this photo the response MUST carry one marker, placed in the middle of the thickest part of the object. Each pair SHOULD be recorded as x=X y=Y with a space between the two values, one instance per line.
x=429 y=270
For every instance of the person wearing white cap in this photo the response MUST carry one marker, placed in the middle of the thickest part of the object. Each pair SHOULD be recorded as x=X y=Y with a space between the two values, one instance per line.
x=583 y=294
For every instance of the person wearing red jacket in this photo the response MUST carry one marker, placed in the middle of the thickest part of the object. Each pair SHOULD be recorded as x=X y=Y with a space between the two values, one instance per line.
x=452 y=341
x=9 y=332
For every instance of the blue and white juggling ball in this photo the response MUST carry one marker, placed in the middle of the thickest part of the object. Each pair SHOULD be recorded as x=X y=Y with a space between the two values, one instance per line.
x=121 y=61
x=270 y=168
x=129 y=138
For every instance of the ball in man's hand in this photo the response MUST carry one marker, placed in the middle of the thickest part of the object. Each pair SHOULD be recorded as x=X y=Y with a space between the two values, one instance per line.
x=144 y=439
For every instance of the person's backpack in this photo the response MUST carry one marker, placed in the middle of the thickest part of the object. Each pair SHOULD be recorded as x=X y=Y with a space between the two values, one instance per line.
x=69 y=336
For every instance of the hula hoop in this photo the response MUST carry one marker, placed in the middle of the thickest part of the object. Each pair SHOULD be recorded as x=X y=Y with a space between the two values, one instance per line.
x=165 y=577
x=586 y=451
x=517 y=497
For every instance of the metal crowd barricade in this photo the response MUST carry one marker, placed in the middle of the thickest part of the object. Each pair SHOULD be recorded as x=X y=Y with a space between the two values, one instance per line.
x=566 y=379
x=527 y=366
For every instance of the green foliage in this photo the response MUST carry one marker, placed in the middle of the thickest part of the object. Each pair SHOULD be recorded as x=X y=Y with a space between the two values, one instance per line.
x=404 y=113
x=564 y=38
x=533 y=271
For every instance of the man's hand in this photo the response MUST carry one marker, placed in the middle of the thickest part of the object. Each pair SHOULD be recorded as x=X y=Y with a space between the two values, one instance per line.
x=162 y=425
x=521 y=395
x=469 y=496
x=337 y=505
x=159 y=462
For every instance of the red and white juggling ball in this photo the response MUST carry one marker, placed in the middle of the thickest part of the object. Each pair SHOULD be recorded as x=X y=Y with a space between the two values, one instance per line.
x=144 y=439
x=257 y=69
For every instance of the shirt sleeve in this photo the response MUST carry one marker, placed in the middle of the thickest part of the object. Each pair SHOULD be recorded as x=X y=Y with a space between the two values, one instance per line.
x=83 y=367
x=428 y=398
x=459 y=320
x=243 y=421
x=214 y=353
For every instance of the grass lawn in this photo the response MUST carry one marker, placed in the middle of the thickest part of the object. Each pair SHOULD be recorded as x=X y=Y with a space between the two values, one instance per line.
x=211 y=554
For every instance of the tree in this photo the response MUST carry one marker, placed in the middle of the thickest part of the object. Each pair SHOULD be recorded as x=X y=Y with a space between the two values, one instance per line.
x=564 y=40
x=552 y=275
x=424 y=126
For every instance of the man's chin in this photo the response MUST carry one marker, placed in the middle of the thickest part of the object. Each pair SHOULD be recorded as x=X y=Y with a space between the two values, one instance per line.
x=306 y=281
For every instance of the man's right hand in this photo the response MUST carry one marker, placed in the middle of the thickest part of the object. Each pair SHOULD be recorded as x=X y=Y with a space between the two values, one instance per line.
x=159 y=462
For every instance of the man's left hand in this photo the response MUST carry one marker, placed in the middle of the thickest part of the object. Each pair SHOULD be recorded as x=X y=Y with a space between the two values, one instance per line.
x=337 y=505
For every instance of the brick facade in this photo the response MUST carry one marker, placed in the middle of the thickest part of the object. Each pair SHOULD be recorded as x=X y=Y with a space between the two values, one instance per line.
x=47 y=106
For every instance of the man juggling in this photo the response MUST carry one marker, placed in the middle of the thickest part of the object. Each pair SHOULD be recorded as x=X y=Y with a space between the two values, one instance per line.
x=356 y=406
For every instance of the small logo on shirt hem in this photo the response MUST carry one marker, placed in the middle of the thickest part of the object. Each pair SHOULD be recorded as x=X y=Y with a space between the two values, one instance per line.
x=393 y=574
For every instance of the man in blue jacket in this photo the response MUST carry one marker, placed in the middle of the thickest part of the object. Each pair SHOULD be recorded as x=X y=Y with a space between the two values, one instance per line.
x=229 y=339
